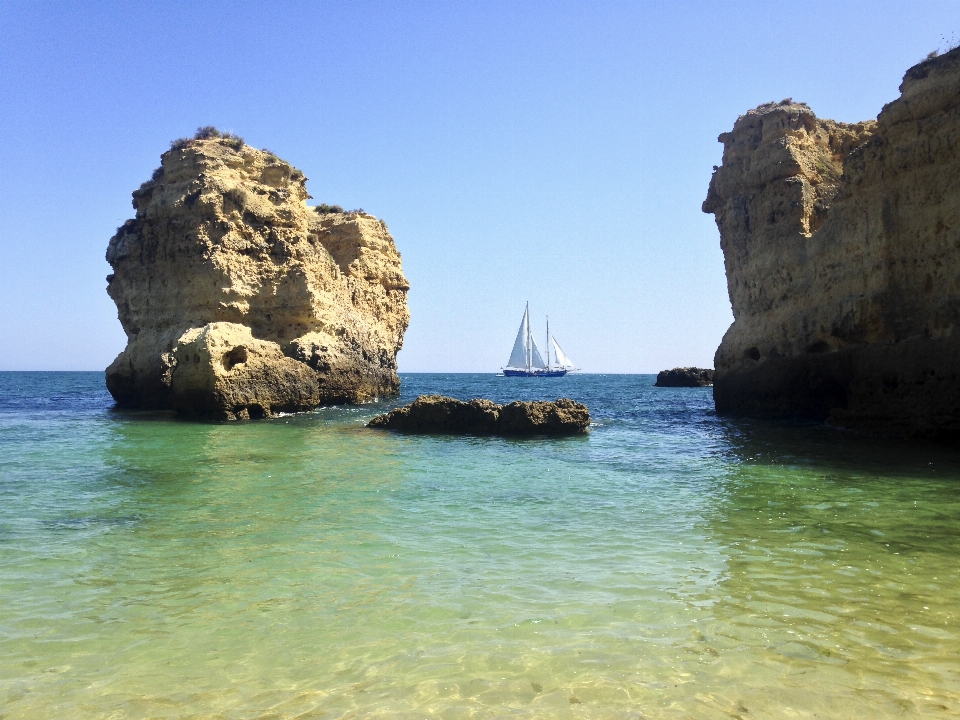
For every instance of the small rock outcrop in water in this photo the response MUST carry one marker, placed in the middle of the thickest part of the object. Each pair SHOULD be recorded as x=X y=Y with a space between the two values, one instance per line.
x=684 y=377
x=439 y=414
x=240 y=300
x=842 y=252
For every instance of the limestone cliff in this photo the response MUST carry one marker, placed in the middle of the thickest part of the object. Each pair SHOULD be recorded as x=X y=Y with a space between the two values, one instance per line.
x=842 y=252
x=240 y=300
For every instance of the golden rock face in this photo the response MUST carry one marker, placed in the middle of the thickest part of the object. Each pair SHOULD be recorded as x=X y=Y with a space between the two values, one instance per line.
x=240 y=300
x=842 y=248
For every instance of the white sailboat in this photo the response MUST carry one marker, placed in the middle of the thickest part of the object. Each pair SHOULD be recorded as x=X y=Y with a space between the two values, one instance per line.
x=526 y=361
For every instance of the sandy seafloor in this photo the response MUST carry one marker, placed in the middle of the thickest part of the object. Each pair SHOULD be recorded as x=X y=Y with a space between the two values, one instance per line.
x=670 y=564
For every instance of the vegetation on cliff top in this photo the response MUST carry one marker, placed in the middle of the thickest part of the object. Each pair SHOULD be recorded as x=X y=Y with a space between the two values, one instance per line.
x=209 y=132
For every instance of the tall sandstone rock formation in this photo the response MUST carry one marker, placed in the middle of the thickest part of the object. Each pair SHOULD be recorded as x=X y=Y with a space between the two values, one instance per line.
x=239 y=300
x=842 y=252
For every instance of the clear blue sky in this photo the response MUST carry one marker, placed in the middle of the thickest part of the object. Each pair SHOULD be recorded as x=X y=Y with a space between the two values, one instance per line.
x=556 y=152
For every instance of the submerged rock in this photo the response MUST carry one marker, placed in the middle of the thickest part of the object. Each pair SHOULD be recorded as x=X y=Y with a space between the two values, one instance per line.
x=240 y=300
x=840 y=244
x=439 y=414
x=684 y=377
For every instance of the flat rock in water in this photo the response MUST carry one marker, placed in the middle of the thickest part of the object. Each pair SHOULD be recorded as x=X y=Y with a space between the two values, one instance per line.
x=685 y=377
x=439 y=414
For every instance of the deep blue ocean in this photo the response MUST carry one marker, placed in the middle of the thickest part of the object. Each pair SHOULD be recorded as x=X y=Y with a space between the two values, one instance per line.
x=668 y=564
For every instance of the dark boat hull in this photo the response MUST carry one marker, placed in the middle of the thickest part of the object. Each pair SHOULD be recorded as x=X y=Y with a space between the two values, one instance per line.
x=533 y=373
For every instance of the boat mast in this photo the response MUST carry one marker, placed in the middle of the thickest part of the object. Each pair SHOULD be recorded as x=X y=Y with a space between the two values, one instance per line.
x=548 y=343
x=529 y=339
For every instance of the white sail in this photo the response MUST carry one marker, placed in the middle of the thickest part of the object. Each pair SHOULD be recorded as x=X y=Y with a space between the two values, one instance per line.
x=562 y=359
x=535 y=360
x=518 y=358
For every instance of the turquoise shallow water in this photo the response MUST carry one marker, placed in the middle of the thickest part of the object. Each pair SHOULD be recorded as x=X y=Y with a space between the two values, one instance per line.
x=671 y=564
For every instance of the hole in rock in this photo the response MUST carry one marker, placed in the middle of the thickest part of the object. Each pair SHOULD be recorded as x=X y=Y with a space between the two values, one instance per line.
x=752 y=353
x=235 y=357
x=819 y=347
x=256 y=412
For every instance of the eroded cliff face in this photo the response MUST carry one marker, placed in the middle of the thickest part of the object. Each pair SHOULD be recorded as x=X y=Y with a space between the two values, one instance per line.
x=239 y=300
x=842 y=251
